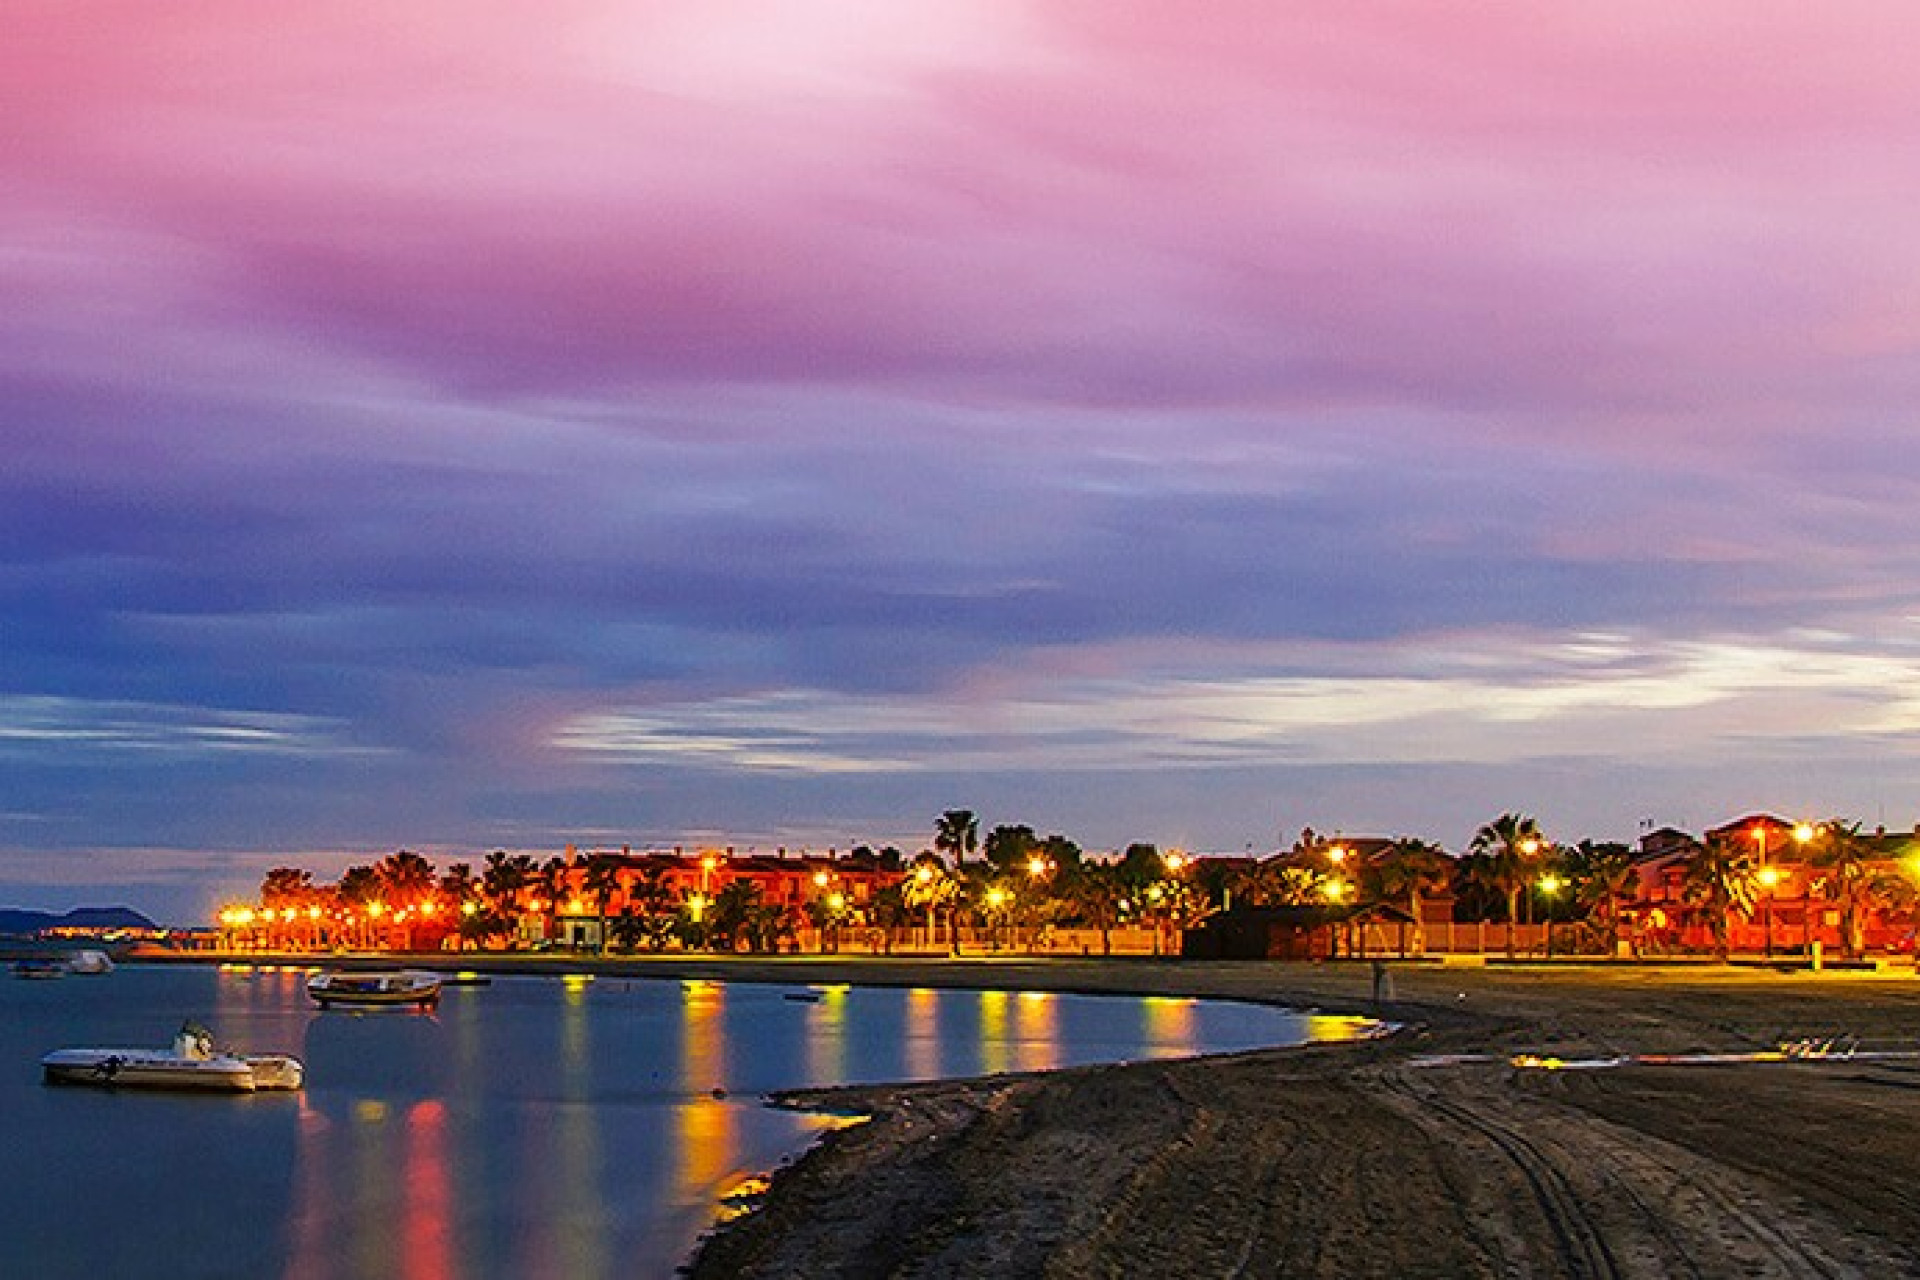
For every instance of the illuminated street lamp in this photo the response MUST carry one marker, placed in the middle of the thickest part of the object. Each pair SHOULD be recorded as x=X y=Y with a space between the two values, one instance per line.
x=1769 y=878
x=1550 y=886
x=1803 y=835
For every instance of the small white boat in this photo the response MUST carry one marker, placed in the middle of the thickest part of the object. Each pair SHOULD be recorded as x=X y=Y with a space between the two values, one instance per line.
x=374 y=989
x=191 y=1063
x=89 y=963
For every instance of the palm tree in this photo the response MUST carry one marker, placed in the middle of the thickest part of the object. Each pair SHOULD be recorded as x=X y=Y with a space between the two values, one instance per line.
x=648 y=918
x=1721 y=878
x=503 y=880
x=1510 y=840
x=600 y=881
x=733 y=912
x=1845 y=859
x=1095 y=891
x=459 y=891
x=957 y=831
x=1604 y=880
x=1408 y=869
x=1280 y=883
x=359 y=890
x=550 y=882
x=929 y=886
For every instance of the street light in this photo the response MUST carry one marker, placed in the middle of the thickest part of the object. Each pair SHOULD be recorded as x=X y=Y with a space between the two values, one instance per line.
x=1769 y=878
x=1803 y=835
x=1550 y=885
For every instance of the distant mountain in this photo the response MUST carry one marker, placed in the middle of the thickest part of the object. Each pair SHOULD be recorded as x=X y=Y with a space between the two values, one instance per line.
x=17 y=921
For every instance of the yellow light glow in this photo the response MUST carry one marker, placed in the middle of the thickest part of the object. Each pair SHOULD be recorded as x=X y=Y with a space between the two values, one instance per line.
x=923 y=874
x=1337 y=854
x=469 y=908
x=313 y=913
x=820 y=879
x=1529 y=847
x=1803 y=833
x=1769 y=876
x=376 y=908
x=1551 y=885
x=996 y=896
x=1175 y=860
x=838 y=902
x=1336 y=890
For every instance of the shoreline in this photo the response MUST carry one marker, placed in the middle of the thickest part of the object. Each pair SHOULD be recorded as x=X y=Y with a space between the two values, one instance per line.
x=1353 y=1159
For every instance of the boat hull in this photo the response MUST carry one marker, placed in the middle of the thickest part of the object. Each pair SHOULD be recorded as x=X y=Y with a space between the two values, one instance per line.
x=374 y=990
x=145 y=1069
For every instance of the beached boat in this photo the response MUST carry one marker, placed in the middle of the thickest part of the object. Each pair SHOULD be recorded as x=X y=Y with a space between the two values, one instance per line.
x=191 y=1063
x=374 y=990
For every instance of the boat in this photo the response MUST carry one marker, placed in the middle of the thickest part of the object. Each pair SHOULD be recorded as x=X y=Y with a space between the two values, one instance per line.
x=89 y=963
x=374 y=989
x=40 y=967
x=190 y=1063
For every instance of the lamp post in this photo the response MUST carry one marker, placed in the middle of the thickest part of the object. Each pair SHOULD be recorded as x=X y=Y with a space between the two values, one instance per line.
x=1803 y=836
x=1550 y=886
x=1769 y=880
x=1528 y=848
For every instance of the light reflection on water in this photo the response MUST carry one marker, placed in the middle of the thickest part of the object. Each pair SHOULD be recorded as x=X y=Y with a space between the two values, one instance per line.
x=534 y=1128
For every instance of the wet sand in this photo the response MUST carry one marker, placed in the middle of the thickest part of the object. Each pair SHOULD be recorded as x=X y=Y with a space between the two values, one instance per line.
x=1359 y=1160
x=1368 y=1159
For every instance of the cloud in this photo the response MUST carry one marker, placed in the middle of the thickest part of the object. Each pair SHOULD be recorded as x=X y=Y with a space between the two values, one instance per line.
x=1487 y=700
x=55 y=729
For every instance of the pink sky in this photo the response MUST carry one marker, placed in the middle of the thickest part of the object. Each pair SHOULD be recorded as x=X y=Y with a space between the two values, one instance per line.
x=456 y=382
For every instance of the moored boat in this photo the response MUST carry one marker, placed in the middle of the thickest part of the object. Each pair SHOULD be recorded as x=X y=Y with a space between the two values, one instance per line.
x=40 y=967
x=191 y=1063
x=374 y=989
x=88 y=962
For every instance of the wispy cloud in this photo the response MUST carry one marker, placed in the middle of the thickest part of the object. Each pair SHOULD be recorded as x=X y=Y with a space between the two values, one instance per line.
x=53 y=728
x=1447 y=700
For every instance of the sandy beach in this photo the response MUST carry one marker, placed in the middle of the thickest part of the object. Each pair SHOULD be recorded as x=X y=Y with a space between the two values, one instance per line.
x=1367 y=1160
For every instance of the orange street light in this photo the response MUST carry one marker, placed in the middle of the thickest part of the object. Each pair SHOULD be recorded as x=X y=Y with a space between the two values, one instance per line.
x=1769 y=878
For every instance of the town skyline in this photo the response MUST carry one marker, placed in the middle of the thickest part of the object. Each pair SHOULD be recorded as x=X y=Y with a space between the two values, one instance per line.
x=695 y=424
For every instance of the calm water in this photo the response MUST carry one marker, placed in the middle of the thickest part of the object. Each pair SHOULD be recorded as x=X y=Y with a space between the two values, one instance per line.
x=539 y=1127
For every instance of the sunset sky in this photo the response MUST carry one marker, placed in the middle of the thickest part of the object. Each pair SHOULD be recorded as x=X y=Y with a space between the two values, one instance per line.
x=464 y=425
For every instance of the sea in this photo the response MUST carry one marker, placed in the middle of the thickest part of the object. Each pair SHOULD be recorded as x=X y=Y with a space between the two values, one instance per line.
x=568 y=1126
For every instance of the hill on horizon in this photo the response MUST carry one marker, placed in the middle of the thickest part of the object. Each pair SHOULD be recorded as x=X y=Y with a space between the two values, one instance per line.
x=19 y=920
